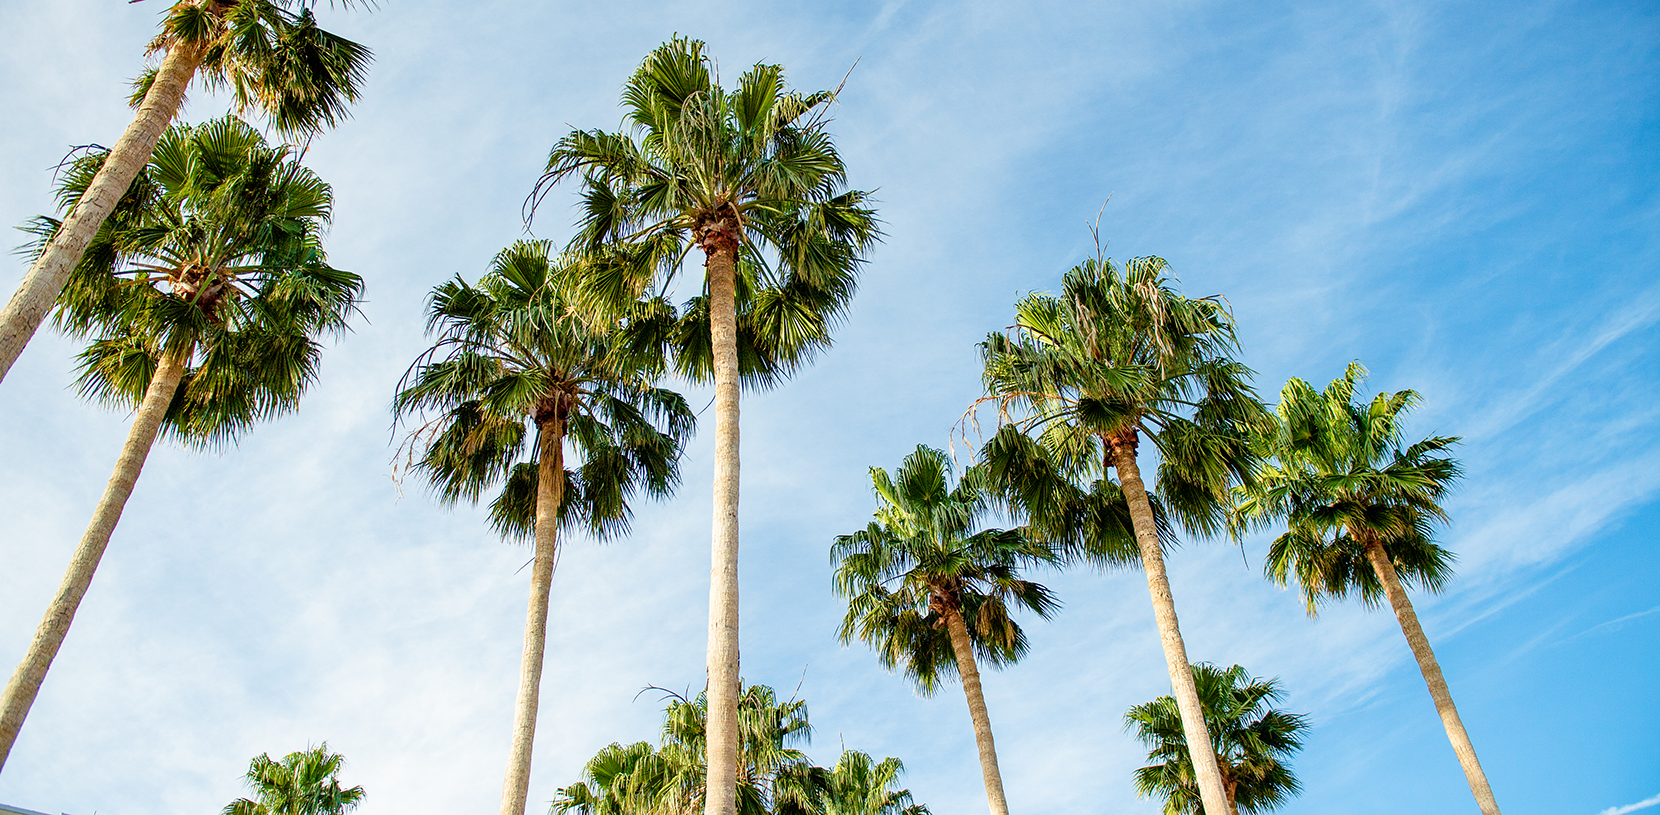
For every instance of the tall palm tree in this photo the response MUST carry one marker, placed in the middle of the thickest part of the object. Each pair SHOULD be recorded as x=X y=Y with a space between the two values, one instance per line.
x=1251 y=740
x=775 y=777
x=203 y=299
x=516 y=373
x=1359 y=507
x=929 y=592
x=269 y=54
x=1120 y=356
x=303 y=783
x=751 y=177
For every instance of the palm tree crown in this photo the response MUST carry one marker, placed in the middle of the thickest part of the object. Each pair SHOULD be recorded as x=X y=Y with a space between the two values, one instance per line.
x=512 y=349
x=302 y=783
x=921 y=560
x=272 y=58
x=214 y=255
x=1252 y=742
x=751 y=174
x=1340 y=477
x=1120 y=355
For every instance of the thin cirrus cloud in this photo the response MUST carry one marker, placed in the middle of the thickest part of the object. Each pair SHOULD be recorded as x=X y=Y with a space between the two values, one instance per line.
x=1643 y=804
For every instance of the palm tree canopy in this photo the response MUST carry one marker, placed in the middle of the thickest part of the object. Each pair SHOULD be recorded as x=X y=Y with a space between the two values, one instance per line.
x=923 y=558
x=215 y=251
x=751 y=170
x=1120 y=354
x=513 y=348
x=302 y=783
x=1251 y=739
x=1337 y=472
x=271 y=57
x=860 y=785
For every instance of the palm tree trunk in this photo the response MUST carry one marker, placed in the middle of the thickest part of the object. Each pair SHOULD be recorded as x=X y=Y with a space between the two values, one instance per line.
x=550 y=492
x=1205 y=767
x=722 y=784
x=1431 y=669
x=964 y=650
x=24 y=685
x=28 y=307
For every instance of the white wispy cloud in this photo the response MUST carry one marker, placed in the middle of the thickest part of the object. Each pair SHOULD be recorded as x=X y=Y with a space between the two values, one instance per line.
x=1643 y=804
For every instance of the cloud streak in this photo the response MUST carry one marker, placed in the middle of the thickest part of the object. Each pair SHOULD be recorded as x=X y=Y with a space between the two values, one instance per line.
x=1643 y=804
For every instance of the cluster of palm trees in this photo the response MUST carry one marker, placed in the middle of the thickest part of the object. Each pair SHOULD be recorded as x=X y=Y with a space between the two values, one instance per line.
x=1077 y=383
x=190 y=258
x=774 y=776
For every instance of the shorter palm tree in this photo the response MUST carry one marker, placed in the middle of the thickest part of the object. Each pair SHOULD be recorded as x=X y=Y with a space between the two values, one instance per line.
x=203 y=296
x=302 y=783
x=774 y=776
x=1251 y=740
x=860 y=785
x=1359 y=507
x=930 y=593
x=518 y=372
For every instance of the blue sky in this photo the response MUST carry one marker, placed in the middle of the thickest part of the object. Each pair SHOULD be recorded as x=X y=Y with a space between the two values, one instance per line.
x=1462 y=195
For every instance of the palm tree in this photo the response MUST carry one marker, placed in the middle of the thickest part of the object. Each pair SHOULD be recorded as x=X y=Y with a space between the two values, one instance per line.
x=203 y=298
x=303 y=783
x=1359 y=508
x=930 y=593
x=1118 y=356
x=751 y=177
x=513 y=349
x=774 y=778
x=859 y=785
x=1251 y=741
x=269 y=54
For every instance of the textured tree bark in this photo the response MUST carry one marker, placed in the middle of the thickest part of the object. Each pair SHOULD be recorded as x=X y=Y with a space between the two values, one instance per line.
x=550 y=491
x=1431 y=670
x=964 y=650
x=26 y=680
x=722 y=785
x=1206 y=771
x=27 y=308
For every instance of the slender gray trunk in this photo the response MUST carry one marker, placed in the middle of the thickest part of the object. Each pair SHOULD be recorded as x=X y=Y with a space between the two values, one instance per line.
x=1431 y=670
x=722 y=783
x=40 y=288
x=1206 y=772
x=963 y=648
x=550 y=491
x=25 y=682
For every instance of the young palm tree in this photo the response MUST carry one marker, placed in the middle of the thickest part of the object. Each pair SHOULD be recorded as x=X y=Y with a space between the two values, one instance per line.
x=204 y=297
x=930 y=593
x=512 y=349
x=271 y=56
x=751 y=177
x=303 y=783
x=859 y=785
x=774 y=778
x=1359 y=507
x=1117 y=357
x=1251 y=741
